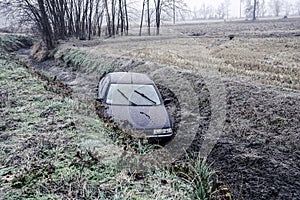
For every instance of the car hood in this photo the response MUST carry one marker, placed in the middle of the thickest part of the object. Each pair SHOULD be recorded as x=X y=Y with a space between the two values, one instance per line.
x=140 y=117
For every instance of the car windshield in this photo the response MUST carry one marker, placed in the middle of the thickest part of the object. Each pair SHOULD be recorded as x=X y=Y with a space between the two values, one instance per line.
x=132 y=94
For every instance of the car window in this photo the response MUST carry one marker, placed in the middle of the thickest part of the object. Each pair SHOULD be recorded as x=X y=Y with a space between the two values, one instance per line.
x=103 y=87
x=132 y=94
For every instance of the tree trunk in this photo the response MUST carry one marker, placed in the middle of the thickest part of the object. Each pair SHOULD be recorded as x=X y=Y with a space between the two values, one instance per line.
x=45 y=26
x=254 y=10
x=121 y=17
x=62 y=25
x=174 y=12
x=78 y=8
x=70 y=19
x=148 y=17
x=107 y=18
x=126 y=18
x=113 y=15
x=90 y=19
x=83 y=21
x=240 y=8
x=142 y=18
x=100 y=24
x=158 y=9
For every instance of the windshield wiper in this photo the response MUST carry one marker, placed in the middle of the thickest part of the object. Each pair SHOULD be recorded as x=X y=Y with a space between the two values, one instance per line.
x=143 y=95
x=134 y=104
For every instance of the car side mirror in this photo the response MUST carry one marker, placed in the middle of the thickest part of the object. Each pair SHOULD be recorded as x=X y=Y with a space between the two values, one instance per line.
x=167 y=101
x=99 y=100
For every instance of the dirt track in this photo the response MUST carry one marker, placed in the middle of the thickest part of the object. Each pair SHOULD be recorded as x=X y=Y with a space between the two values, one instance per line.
x=258 y=153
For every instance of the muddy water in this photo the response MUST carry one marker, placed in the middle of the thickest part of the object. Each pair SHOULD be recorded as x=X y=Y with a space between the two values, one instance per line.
x=250 y=133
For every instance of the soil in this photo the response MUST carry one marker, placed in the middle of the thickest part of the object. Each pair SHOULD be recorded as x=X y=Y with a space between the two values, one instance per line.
x=260 y=149
x=257 y=153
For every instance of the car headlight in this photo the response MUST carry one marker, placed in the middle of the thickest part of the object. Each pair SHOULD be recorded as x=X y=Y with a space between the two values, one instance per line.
x=162 y=131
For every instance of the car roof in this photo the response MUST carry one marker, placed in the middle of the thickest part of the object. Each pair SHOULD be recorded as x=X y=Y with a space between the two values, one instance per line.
x=129 y=78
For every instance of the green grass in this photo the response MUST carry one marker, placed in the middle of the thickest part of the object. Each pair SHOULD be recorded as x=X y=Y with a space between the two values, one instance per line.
x=40 y=149
x=78 y=59
x=15 y=42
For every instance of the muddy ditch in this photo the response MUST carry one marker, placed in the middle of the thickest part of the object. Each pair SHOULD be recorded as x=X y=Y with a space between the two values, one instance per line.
x=190 y=97
x=249 y=132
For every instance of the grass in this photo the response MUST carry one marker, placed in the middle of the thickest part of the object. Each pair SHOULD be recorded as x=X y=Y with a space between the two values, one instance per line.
x=272 y=61
x=52 y=149
x=78 y=59
x=39 y=147
x=15 y=42
x=268 y=60
x=202 y=179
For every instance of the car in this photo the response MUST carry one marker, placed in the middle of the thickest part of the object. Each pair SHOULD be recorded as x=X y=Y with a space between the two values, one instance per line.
x=134 y=102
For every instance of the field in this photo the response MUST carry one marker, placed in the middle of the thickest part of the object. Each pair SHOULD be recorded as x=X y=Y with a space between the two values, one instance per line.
x=235 y=90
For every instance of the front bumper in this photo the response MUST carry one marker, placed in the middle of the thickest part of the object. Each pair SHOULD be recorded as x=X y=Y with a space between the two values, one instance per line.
x=159 y=133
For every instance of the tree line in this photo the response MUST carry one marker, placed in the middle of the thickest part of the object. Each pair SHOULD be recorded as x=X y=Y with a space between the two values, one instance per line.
x=85 y=19
x=259 y=8
x=250 y=9
x=59 y=19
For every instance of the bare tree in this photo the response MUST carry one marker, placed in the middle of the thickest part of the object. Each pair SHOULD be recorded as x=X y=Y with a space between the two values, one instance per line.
x=82 y=35
x=90 y=19
x=174 y=12
x=261 y=8
x=251 y=9
x=32 y=11
x=221 y=11
x=59 y=19
x=56 y=11
x=276 y=7
x=287 y=7
x=227 y=4
x=171 y=9
x=108 y=21
x=98 y=18
x=207 y=11
x=142 y=17
x=44 y=25
x=148 y=17
x=70 y=17
x=211 y=12
x=254 y=10
x=158 y=15
x=203 y=11
x=113 y=17
x=195 y=13
x=121 y=16
x=241 y=2
x=126 y=18
x=248 y=8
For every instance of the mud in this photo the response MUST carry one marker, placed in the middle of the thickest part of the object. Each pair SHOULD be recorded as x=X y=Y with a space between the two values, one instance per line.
x=259 y=152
